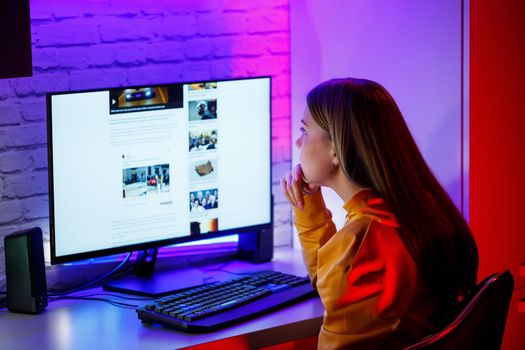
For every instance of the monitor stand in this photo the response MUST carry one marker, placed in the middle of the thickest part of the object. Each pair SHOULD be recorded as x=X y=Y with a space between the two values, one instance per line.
x=162 y=283
x=144 y=282
x=254 y=247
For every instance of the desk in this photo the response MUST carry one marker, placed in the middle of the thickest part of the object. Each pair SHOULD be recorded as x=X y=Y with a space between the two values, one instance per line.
x=84 y=324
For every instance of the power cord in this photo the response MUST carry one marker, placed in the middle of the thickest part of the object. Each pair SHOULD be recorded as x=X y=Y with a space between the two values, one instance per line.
x=60 y=292
x=109 y=301
x=220 y=268
x=119 y=296
x=92 y=296
x=232 y=273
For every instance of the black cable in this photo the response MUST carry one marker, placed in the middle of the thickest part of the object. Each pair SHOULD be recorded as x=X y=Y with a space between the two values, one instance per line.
x=223 y=265
x=118 y=296
x=3 y=303
x=233 y=273
x=221 y=268
x=86 y=284
x=109 y=301
x=205 y=271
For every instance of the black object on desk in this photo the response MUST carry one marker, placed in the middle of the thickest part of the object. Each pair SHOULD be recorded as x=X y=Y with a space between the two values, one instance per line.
x=15 y=40
x=212 y=306
x=25 y=271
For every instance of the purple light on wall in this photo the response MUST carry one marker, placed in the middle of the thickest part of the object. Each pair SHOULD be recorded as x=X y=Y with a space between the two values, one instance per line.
x=108 y=43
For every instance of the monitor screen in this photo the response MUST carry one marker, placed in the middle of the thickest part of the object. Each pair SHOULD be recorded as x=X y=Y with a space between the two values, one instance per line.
x=138 y=167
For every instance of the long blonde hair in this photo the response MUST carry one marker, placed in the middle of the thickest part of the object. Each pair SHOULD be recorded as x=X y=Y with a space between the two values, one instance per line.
x=377 y=150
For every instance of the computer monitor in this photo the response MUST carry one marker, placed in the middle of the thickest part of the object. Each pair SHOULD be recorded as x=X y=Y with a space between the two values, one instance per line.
x=132 y=168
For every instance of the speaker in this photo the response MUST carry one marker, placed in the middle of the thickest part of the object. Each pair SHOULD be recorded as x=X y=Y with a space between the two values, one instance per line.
x=256 y=247
x=25 y=271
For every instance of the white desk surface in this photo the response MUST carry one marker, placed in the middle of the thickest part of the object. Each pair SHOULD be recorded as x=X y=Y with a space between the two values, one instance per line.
x=85 y=324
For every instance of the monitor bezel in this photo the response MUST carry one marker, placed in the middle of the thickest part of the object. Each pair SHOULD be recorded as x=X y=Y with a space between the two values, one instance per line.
x=153 y=244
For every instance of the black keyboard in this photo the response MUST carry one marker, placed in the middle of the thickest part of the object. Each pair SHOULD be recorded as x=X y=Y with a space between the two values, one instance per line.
x=215 y=305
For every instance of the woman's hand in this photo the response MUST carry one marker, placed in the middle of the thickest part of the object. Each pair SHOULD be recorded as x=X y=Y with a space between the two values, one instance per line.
x=294 y=187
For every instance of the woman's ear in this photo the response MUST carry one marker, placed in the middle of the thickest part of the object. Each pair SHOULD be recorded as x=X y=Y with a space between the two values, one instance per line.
x=335 y=158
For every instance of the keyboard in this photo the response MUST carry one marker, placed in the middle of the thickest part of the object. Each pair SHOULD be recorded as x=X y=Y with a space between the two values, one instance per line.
x=212 y=306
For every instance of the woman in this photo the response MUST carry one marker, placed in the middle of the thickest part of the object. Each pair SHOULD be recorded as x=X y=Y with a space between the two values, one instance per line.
x=405 y=256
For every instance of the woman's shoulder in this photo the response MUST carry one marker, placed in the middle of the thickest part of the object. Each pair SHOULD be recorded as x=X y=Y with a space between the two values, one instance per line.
x=367 y=205
x=384 y=238
x=382 y=266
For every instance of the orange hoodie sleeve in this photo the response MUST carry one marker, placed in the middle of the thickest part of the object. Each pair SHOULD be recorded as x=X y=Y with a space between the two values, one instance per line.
x=315 y=227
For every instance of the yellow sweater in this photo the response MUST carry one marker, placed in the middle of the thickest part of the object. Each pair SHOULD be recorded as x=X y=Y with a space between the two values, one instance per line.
x=364 y=275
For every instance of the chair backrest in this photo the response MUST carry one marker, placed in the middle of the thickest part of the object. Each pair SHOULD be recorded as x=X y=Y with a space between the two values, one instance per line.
x=481 y=320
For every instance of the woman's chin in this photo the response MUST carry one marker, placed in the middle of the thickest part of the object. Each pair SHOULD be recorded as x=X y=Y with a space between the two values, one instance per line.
x=310 y=182
x=305 y=180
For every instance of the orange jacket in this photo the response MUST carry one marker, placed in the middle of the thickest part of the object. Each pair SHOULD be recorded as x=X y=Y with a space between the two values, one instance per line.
x=366 y=278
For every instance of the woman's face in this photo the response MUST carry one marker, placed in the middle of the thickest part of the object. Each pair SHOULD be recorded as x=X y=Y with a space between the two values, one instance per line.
x=316 y=151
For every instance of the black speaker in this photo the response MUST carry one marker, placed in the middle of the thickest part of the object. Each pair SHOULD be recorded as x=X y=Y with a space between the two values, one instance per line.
x=255 y=247
x=15 y=39
x=25 y=271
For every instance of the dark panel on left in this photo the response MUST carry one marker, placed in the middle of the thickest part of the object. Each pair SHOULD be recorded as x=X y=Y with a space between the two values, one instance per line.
x=15 y=39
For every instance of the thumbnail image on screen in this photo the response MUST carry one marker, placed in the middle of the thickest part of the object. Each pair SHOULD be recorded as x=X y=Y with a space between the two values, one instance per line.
x=202 y=110
x=202 y=86
x=202 y=200
x=145 y=181
x=203 y=170
x=203 y=140
x=143 y=97
x=201 y=226
x=146 y=98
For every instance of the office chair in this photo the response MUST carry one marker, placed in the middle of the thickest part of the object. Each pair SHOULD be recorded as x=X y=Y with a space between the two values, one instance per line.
x=481 y=320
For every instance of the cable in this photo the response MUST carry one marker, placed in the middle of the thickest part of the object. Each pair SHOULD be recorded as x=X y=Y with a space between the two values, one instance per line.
x=234 y=273
x=91 y=297
x=118 y=296
x=109 y=301
x=64 y=291
x=3 y=303
x=84 y=285
x=221 y=268
x=223 y=265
